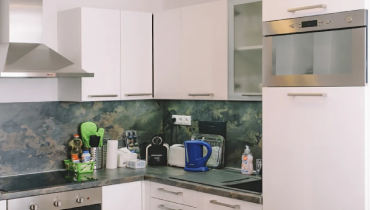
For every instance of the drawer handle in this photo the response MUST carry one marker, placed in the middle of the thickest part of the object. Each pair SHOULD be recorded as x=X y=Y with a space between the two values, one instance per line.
x=323 y=6
x=224 y=204
x=201 y=94
x=102 y=96
x=307 y=94
x=252 y=94
x=168 y=191
x=139 y=94
x=166 y=208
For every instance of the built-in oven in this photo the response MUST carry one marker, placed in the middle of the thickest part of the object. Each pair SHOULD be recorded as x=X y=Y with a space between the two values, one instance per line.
x=326 y=50
x=88 y=199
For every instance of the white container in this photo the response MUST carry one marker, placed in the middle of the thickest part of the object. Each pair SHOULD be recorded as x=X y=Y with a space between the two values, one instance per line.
x=123 y=156
x=85 y=157
x=247 y=161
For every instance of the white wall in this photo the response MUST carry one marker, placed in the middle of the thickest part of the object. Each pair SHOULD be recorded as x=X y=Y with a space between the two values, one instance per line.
x=171 y=4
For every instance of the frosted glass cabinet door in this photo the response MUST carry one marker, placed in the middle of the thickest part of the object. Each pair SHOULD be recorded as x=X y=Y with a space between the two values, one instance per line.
x=245 y=50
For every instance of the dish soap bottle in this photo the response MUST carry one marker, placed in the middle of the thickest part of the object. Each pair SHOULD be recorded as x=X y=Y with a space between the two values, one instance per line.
x=247 y=161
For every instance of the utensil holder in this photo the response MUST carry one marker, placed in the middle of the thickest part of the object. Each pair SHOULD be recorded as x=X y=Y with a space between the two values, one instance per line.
x=97 y=156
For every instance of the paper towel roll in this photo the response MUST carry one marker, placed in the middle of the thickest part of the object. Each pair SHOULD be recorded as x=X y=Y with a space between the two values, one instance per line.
x=112 y=148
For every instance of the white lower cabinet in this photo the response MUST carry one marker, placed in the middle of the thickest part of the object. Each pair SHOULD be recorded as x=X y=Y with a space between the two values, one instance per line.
x=207 y=201
x=157 y=204
x=173 y=194
x=122 y=196
x=2 y=205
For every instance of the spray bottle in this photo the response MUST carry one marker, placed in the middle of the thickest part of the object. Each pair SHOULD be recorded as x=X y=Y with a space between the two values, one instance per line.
x=247 y=161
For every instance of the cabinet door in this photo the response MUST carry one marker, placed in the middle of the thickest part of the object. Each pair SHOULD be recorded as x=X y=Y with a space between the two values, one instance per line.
x=157 y=204
x=214 y=202
x=136 y=55
x=3 y=205
x=100 y=54
x=314 y=148
x=122 y=196
x=167 y=54
x=204 y=51
x=245 y=50
x=277 y=10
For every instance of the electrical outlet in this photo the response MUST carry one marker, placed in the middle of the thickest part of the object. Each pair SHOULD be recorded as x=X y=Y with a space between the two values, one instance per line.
x=182 y=119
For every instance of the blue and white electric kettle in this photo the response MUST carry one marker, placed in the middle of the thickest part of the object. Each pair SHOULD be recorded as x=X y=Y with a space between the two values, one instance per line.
x=194 y=160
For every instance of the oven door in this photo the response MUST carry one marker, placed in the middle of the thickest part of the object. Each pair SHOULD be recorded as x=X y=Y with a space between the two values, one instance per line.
x=92 y=207
x=330 y=58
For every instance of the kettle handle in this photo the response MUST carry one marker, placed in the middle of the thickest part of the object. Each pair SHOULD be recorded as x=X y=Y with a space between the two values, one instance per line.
x=209 y=150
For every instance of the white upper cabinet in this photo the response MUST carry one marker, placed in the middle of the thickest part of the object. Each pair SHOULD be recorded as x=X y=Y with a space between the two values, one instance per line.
x=167 y=58
x=190 y=52
x=90 y=38
x=204 y=51
x=136 y=55
x=277 y=10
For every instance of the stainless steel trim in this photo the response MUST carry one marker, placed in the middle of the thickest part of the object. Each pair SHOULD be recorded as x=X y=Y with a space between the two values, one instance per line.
x=139 y=94
x=224 y=204
x=357 y=77
x=336 y=21
x=102 y=96
x=169 y=191
x=166 y=208
x=308 y=7
x=252 y=94
x=201 y=94
x=307 y=94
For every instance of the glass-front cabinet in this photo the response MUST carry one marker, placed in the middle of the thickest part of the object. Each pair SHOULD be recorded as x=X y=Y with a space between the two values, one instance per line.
x=245 y=50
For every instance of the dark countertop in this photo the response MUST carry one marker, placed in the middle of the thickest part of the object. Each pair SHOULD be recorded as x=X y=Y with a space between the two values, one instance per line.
x=123 y=175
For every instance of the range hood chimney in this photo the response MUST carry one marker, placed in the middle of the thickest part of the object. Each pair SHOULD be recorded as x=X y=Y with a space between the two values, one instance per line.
x=22 y=53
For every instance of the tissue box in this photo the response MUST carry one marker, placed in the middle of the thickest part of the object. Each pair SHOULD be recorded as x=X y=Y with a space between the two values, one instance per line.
x=136 y=164
x=123 y=157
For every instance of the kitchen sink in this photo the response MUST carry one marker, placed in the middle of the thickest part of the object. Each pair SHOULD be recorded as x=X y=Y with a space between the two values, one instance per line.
x=253 y=186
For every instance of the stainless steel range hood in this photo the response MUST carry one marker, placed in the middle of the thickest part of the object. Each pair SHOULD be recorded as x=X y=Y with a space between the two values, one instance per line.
x=22 y=53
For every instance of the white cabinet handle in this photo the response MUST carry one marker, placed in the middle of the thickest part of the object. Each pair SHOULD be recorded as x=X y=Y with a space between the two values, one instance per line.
x=201 y=94
x=168 y=191
x=224 y=204
x=307 y=94
x=166 y=208
x=139 y=94
x=102 y=96
x=307 y=7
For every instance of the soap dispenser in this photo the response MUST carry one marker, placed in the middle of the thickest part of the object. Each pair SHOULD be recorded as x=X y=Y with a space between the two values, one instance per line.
x=247 y=161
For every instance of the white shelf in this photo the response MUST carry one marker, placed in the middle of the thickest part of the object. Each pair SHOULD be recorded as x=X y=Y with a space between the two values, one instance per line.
x=247 y=48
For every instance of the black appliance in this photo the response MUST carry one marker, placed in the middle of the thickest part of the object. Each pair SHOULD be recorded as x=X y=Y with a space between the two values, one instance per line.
x=157 y=152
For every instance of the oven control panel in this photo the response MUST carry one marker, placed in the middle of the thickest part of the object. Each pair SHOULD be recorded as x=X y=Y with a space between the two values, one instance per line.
x=333 y=21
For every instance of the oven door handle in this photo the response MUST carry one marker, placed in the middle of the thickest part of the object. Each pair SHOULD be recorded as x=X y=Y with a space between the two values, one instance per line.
x=323 y=6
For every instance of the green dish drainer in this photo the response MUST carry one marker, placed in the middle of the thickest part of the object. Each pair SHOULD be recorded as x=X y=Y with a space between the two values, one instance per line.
x=79 y=168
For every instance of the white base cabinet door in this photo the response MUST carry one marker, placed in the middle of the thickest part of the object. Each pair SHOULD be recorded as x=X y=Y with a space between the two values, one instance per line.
x=122 y=196
x=157 y=204
x=136 y=55
x=3 y=205
x=314 y=148
x=207 y=201
x=90 y=38
x=278 y=10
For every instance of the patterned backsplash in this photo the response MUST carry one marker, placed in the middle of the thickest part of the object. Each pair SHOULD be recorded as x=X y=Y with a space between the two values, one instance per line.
x=34 y=136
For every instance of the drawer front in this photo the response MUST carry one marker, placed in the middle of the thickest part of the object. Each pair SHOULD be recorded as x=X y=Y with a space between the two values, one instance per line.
x=157 y=204
x=173 y=194
x=214 y=202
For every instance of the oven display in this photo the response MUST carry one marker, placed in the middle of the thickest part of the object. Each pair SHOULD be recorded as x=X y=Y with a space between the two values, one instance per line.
x=311 y=23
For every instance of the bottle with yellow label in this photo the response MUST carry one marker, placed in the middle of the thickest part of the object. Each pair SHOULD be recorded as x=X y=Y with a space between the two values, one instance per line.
x=247 y=161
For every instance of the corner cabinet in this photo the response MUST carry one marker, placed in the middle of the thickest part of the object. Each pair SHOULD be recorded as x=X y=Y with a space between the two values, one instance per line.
x=122 y=196
x=90 y=38
x=190 y=52
x=3 y=205
x=245 y=50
